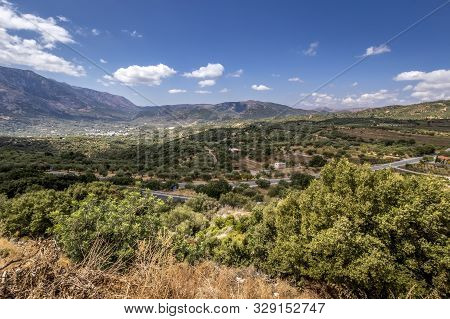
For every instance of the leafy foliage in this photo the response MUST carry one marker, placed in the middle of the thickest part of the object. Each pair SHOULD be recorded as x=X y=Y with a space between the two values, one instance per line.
x=115 y=223
x=378 y=233
x=215 y=189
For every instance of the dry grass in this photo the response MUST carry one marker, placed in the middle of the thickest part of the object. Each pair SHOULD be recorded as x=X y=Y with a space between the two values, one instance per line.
x=42 y=272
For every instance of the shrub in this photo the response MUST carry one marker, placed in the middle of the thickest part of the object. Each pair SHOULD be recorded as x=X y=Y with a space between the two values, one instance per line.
x=263 y=183
x=202 y=203
x=301 y=181
x=379 y=234
x=215 y=188
x=317 y=161
x=121 y=179
x=184 y=221
x=117 y=223
x=29 y=214
x=233 y=199
x=153 y=184
x=424 y=150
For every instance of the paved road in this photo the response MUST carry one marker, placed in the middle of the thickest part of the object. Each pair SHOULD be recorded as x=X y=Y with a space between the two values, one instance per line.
x=413 y=160
x=165 y=196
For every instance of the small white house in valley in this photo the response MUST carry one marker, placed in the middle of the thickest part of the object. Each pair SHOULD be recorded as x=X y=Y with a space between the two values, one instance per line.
x=279 y=165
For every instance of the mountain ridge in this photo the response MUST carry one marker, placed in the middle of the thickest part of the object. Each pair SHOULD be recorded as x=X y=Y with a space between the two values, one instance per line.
x=26 y=95
x=243 y=110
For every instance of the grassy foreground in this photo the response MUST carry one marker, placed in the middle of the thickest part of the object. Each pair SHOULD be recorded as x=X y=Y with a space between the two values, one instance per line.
x=37 y=269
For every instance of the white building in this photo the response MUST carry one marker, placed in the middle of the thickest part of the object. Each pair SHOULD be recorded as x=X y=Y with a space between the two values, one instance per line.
x=279 y=165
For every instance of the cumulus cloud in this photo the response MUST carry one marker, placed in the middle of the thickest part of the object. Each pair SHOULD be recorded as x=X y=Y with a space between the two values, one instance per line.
x=355 y=84
x=371 y=99
x=34 y=51
x=103 y=61
x=209 y=71
x=224 y=90
x=205 y=83
x=312 y=49
x=322 y=99
x=434 y=85
x=176 y=91
x=295 y=79
x=236 y=74
x=260 y=87
x=203 y=92
x=105 y=82
x=148 y=75
x=95 y=32
x=383 y=48
x=408 y=88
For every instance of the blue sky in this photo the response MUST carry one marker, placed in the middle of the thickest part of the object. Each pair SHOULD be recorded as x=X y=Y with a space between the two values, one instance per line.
x=202 y=51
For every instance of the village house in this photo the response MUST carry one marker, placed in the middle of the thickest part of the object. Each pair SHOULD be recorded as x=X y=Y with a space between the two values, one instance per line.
x=279 y=165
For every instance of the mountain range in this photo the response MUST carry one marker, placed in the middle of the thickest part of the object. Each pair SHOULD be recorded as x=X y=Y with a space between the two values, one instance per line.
x=244 y=110
x=25 y=95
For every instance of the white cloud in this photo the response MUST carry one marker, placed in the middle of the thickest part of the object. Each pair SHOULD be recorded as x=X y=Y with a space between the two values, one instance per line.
x=355 y=84
x=383 y=48
x=323 y=99
x=205 y=83
x=224 y=90
x=149 y=75
x=275 y=75
x=408 y=88
x=260 y=87
x=295 y=79
x=312 y=49
x=176 y=91
x=103 y=61
x=209 y=71
x=95 y=32
x=371 y=99
x=33 y=51
x=203 y=92
x=62 y=19
x=133 y=33
x=434 y=85
x=105 y=82
x=236 y=74
x=48 y=30
x=136 y=34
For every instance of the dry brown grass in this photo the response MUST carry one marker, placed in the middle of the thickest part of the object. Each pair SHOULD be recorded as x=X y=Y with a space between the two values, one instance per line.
x=42 y=272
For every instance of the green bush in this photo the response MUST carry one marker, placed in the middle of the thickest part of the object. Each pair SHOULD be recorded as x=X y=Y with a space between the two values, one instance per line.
x=233 y=199
x=300 y=180
x=184 y=221
x=379 y=234
x=215 y=188
x=263 y=183
x=317 y=161
x=202 y=203
x=29 y=214
x=117 y=224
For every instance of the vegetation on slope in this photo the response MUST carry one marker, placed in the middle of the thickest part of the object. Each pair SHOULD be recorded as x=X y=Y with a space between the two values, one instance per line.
x=371 y=234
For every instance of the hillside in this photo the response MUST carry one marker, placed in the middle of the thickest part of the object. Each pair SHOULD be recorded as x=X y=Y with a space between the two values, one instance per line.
x=245 y=110
x=27 y=95
x=421 y=111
